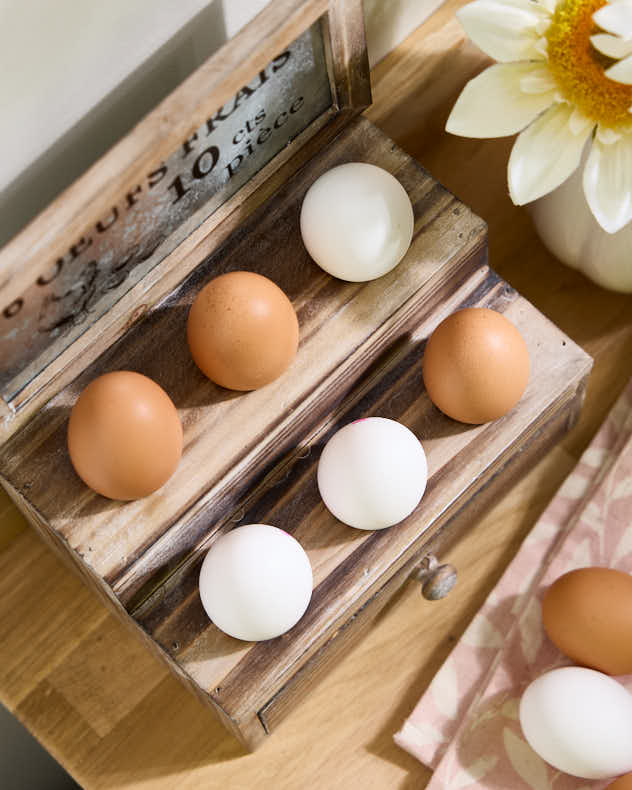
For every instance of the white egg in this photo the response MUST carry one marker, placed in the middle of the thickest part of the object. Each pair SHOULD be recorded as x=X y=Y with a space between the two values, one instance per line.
x=256 y=582
x=579 y=721
x=357 y=221
x=372 y=473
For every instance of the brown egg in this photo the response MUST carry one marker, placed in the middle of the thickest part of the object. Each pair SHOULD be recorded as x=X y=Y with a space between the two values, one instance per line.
x=476 y=365
x=622 y=783
x=242 y=331
x=587 y=614
x=124 y=435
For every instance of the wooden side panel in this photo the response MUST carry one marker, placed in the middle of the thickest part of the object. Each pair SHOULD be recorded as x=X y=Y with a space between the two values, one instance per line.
x=350 y=60
x=299 y=685
x=550 y=429
x=351 y=566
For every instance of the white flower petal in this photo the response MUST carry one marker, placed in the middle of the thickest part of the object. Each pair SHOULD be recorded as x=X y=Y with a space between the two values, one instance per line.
x=621 y=71
x=616 y=18
x=578 y=122
x=608 y=183
x=542 y=48
x=504 y=29
x=542 y=26
x=612 y=46
x=548 y=4
x=606 y=135
x=492 y=104
x=544 y=155
x=540 y=80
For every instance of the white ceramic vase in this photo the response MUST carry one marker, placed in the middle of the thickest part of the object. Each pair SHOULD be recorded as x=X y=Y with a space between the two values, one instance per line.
x=571 y=233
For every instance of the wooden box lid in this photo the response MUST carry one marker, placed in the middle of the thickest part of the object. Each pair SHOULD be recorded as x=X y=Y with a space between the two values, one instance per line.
x=108 y=273
x=132 y=227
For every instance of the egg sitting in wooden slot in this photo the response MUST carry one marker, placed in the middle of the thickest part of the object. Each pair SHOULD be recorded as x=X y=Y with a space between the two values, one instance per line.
x=124 y=435
x=476 y=365
x=357 y=221
x=256 y=582
x=372 y=473
x=242 y=331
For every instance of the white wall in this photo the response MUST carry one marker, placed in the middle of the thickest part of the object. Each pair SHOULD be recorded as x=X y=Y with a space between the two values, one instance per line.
x=76 y=75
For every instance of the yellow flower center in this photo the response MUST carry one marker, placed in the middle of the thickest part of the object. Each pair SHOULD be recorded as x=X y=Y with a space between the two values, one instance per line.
x=578 y=67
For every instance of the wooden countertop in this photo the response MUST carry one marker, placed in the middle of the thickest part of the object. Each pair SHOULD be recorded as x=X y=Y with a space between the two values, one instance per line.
x=114 y=717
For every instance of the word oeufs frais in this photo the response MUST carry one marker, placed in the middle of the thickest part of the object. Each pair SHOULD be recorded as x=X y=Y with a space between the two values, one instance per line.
x=194 y=160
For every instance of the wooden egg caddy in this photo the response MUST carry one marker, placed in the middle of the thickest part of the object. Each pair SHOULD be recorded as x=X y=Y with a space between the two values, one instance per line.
x=252 y=457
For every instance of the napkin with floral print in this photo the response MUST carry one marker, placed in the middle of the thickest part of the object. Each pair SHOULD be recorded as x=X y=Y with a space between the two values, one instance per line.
x=466 y=726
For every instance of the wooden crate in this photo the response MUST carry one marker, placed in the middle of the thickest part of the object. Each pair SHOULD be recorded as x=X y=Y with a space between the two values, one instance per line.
x=252 y=457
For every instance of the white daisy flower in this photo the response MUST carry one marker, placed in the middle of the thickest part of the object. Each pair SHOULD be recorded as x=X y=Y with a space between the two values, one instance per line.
x=555 y=84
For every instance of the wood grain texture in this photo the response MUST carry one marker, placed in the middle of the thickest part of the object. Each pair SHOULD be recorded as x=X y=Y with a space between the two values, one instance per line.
x=349 y=566
x=340 y=737
x=369 y=340
x=160 y=134
x=302 y=684
x=233 y=441
x=155 y=137
x=228 y=435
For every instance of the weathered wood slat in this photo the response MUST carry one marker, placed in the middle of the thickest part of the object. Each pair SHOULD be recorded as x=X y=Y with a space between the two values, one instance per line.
x=351 y=566
x=228 y=435
x=127 y=170
x=253 y=457
x=155 y=137
x=549 y=429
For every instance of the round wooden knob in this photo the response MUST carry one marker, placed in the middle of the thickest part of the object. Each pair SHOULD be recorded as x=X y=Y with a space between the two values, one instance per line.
x=436 y=580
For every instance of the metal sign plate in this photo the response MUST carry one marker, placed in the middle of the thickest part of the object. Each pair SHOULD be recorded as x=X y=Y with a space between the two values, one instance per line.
x=117 y=250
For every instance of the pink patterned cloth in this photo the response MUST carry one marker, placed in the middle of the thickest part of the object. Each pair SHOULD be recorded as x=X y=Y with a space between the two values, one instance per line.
x=465 y=727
